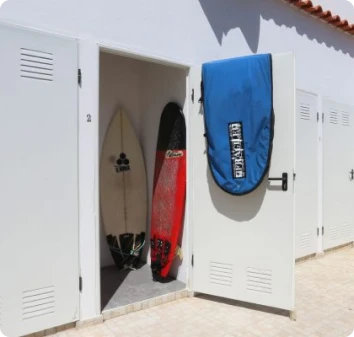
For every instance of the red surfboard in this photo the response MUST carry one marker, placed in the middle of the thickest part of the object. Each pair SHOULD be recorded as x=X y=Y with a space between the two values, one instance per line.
x=169 y=191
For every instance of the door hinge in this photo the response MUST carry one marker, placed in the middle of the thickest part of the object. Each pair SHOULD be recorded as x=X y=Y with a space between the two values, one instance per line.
x=322 y=117
x=80 y=284
x=318 y=231
x=201 y=99
x=193 y=260
x=192 y=96
x=79 y=77
x=294 y=176
x=318 y=116
x=323 y=231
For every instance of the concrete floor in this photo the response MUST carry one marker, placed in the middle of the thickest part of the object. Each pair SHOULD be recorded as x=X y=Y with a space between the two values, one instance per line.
x=120 y=288
x=324 y=300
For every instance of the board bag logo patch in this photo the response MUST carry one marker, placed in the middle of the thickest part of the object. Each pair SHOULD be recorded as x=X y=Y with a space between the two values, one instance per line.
x=237 y=151
x=174 y=154
x=122 y=163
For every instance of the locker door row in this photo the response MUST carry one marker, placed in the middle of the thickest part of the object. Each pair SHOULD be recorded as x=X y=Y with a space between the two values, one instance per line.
x=324 y=174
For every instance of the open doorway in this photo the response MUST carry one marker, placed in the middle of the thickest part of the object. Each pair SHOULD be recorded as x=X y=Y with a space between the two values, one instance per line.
x=141 y=89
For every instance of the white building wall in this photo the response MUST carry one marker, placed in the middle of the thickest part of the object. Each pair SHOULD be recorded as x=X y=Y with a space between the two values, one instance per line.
x=194 y=31
x=189 y=31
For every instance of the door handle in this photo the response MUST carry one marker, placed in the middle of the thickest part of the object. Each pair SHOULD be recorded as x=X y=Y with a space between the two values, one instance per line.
x=283 y=179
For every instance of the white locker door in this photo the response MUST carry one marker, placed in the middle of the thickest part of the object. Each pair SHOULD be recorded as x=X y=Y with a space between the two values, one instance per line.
x=243 y=246
x=39 y=181
x=306 y=174
x=338 y=182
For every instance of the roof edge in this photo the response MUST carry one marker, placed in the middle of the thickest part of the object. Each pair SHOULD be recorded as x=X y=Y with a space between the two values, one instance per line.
x=325 y=15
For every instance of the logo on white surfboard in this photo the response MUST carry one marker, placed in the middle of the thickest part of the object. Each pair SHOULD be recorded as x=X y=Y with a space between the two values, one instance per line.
x=173 y=154
x=122 y=163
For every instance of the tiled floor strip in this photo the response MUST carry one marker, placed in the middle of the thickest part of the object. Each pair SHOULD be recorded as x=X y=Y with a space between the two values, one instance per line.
x=324 y=303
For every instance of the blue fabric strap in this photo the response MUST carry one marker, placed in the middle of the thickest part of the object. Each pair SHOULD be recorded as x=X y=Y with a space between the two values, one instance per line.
x=238 y=115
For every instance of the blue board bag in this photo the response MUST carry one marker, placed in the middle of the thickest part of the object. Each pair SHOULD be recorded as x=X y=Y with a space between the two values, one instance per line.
x=237 y=96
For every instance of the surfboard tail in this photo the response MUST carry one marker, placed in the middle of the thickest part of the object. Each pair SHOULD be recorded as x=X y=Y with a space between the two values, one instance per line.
x=126 y=250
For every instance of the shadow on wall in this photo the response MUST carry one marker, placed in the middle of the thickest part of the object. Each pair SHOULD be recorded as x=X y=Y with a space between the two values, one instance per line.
x=247 y=15
x=240 y=209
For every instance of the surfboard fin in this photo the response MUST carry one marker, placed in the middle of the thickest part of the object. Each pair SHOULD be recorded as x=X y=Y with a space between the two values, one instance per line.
x=179 y=252
x=126 y=241
x=139 y=243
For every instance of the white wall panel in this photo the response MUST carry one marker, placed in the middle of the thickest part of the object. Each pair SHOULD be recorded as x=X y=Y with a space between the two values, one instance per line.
x=209 y=30
x=39 y=241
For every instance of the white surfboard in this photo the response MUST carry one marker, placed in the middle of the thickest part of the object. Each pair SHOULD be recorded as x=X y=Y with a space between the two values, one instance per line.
x=123 y=186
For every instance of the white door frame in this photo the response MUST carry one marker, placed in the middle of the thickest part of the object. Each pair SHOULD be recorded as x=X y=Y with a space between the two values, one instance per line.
x=320 y=175
x=89 y=158
x=88 y=140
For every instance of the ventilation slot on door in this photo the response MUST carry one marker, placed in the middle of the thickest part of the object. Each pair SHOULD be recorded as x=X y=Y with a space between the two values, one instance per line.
x=346 y=232
x=305 y=112
x=333 y=233
x=221 y=274
x=259 y=280
x=345 y=118
x=333 y=116
x=36 y=65
x=39 y=302
x=305 y=240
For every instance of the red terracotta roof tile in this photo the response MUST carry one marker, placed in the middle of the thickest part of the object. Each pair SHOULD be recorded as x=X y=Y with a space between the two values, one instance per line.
x=327 y=16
